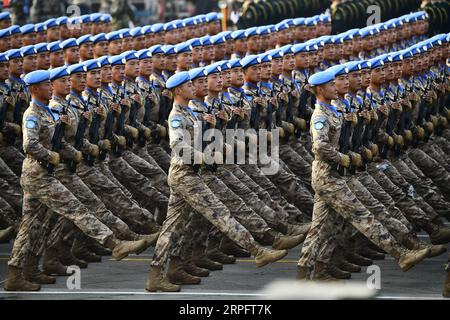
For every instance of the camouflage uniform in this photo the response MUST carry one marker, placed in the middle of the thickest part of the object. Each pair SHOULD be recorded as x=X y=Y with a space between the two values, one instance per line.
x=42 y=191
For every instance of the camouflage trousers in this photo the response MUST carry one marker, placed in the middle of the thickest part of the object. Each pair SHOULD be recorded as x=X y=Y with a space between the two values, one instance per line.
x=444 y=144
x=157 y=152
x=303 y=147
x=148 y=167
x=49 y=193
x=405 y=200
x=332 y=207
x=140 y=186
x=8 y=216
x=113 y=197
x=432 y=149
x=424 y=185
x=103 y=167
x=189 y=192
x=13 y=157
x=12 y=195
x=432 y=169
x=300 y=167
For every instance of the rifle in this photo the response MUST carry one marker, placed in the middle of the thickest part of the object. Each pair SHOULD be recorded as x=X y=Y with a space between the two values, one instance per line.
x=3 y=111
x=58 y=135
x=205 y=127
x=17 y=114
x=390 y=125
x=132 y=118
x=344 y=139
x=120 y=128
x=148 y=105
x=93 y=131
x=302 y=109
x=269 y=117
x=254 y=116
x=421 y=115
x=234 y=119
x=441 y=104
x=357 y=134
x=79 y=136
x=109 y=124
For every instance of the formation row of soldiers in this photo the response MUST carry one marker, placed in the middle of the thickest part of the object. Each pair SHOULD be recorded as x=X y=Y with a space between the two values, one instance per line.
x=240 y=201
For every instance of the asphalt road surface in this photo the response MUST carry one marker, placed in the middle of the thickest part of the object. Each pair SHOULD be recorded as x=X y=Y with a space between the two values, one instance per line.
x=243 y=280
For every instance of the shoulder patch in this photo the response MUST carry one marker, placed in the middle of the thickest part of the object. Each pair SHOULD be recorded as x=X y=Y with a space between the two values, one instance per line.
x=319 y=122
x=175 y=122
x=31 y=122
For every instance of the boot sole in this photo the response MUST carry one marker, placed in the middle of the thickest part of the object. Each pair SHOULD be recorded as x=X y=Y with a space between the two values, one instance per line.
x=278 y=257
x=125 y=254
x=156 y=290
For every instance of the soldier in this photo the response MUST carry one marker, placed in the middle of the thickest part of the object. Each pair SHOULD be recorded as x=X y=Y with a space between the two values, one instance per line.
x=138 y=38
x=197 y=54
x=43 y=191
x=212 y=20
x=240 y=42
x=332 y=194
x=42 y=56
x=71 y=51
x=219 y=47
x=16 y=37
x=29 y=34
x=184 y=56
x=100 y=44
x=85 y=45
x=5 y=20
x=127 y=39
x=114 y=43
x=56 y=54
x=182 y=179
x=5 y=43
x=63 y=28
x=171 y=33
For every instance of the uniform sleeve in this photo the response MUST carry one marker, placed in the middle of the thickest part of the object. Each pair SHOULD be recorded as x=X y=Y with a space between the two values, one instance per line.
x=322 y=146
x=67 y=151
x=180 y=140
x=32 y=146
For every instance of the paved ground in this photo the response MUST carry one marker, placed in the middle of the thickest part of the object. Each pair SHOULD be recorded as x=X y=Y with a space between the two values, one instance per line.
x=126 y=280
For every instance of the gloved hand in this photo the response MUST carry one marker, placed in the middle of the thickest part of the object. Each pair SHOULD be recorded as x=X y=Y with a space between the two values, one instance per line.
x=54 y=158
x=367 y=154
x=390 y=141
x=162 y=131
x=407 y=135
x=105 y=145
x=344 y=161
x=17 y=130
x=95 y=151
x=147 y=133
x=398 y=140
x=134 y=133
x=356 y=159
x=374 y=149
x=78 y=156
x=300 y=123
x=120 y=140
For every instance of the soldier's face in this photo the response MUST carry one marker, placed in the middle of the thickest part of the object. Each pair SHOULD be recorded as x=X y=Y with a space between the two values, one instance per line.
x=264 y=43
x=226 y=79
x=118 y=73
x=61 y=86
x=138 y=43
x=253 y=74
x=190 y=32
x=184 y=60
x=389 y=71
x=241 y=45
x=5 y=24
x=65 y=32
x=4 y=71
x=158 y=61
x=94 y=78
x=215 y=83
x=254 y=44
x=97 y=28
x=196 y=54
x=56 y=59
x=43 y=60
x=5 y=44
x=237 y=77
x=354 y=80
x=72 y=55
x=132 y=68
x=16 y=41
x=171 y=62
x=407 y=67
x=342 y=84
x=16 y=67
x=127 y=44
x=86 y=51
x=288 y=62
x=357 y=44
x=172 y=36
x=181 y=35
x=145 y=67
x=42 y=91
x=159 y=38
x=219 y=51
x=106 y=74
x=277 y=66
x=101 y=49
x=230 y=47
x=208 y=53
x=107 y=27
x=30 y=63
x=115 y=47
x=398 y=69
x=200 y=87
x=149 y=40
x=29 y=38
x=301 y=60
x=41 y=37
x=86 y=28
x=266 y=71
x=185 y=91
x=378 y=75
x=214 y=28
x=78 y=81
x=327 y=91
x=53 y=34
x=366 y=75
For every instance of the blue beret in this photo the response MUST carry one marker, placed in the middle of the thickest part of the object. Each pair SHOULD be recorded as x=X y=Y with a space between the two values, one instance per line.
x=28 y=50
x=281 y=26
x=155 y=49
x=201 y=18
x=157 y=27
x=40 y=27
x=238 y=34
x=189 y=22
x=213 y=68
x=77 y=68
x=353 y=66
x=62 y=21
x=338 y=69
x=104 y=61
x=59 y=72
x=217 y=39
x=5 y=15
x=85 y=18
x=390 y=24
x=178 y=79
x=264 y=30
x=406 y=54
x=197 y=73
x=4 y=33
x=136 y=32
x=320 y=78
x=265 y=57
x=224 y=65
x=396 y=56
x=54 y=46
x=14 y=29
x=250 y=60
x=289 y=22
x=183 y=47
x=146 y=30
x=92 y=64
x=365 y=64
x=376 y=63
x=195 y=42
x=36 y=77
x=212 y=16
x=310 y=22
x=169 y=26
x=113 y=35
x=235 y=63
x=286 y=49
x=96 y=17
x=28 y=28
x=275 y=54
x=14 y=54
x=297 y=48
x=143 y=54
x=69 y=43
x=124 y=33
x=225 y=34
x=106 y=17
x=253 y=31
x=168 y=49
x=325 y=18
x=178 y=23
x=84 y=39
x=99 y=38
x=206 y=41
x=365 y=32
x=50 y=23
x=75 y=20
x=310 y=47
x=116 y=60
x=386 y=58
x=129 y=55
x=3 y=57
x=299 y=21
